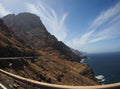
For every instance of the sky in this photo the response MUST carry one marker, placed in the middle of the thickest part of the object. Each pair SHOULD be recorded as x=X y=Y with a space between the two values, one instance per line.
x=91 y=26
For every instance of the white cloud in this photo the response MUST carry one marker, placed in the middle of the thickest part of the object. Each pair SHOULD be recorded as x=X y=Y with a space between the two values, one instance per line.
x=105 y=26
x=111 y=31
x=54 y=24
x=3 y=11
x=105 y=16
x=75 y=43
x=98 y=39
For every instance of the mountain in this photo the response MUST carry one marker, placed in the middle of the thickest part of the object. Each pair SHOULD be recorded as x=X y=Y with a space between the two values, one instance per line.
x=79 y=53
x=10 y=44
x=29 y=27
x=25 y=35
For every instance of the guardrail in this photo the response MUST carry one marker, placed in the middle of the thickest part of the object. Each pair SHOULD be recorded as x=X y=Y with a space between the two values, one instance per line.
x=42 y=85
x=16 y=58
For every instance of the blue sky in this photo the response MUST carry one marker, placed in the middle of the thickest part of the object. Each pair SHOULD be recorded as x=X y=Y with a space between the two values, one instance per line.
x=91 y=26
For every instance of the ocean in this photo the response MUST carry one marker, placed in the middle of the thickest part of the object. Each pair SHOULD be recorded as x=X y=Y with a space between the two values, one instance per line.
x=106 y=64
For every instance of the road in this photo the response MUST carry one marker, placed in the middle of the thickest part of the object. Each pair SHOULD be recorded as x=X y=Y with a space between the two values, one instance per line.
x=16 y=58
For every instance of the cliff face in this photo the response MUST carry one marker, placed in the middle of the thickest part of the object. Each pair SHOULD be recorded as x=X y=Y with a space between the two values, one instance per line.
x=30 y=28
x=11 y=45
x=53 y=64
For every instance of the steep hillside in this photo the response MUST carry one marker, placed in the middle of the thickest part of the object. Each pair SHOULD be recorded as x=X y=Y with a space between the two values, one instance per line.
x=52 y=71
x=11 y=45
x=29 y=27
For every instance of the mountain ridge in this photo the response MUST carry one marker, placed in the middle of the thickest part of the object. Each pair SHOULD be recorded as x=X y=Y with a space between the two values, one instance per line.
x=30 y=28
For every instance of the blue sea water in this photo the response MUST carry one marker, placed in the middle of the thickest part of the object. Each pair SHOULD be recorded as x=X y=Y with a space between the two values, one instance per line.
x=107 y=64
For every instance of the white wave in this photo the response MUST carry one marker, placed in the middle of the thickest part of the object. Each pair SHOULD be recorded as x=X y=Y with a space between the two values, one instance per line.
x=101 y=78
x=82 y=60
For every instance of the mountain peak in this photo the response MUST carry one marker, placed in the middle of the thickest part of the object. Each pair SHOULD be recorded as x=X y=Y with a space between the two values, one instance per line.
x=24 y=21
